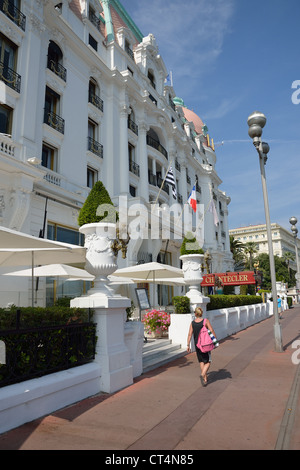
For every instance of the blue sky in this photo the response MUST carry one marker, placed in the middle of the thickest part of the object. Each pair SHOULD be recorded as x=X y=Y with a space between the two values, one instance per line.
x=230 y=58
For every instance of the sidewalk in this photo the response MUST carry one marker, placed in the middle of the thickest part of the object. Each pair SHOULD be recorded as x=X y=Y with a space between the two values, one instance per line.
x=251 y=403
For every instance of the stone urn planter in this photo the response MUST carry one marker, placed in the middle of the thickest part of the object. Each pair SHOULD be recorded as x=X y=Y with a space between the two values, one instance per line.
x=192 y=272
x=100 y=258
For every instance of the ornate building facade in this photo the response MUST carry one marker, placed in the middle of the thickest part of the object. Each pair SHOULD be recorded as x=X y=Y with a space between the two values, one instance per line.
x=84 y=97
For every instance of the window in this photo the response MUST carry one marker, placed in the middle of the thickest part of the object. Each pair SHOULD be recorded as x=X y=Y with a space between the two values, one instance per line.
x=64 y=234
x=55 y=57
x=151 y=78
x=94 y=94
x=5 y=119
x=93 y=43
x=51 y=111
x=132 y=191
x=49 y=157
x=8 y=60
x=92 y=177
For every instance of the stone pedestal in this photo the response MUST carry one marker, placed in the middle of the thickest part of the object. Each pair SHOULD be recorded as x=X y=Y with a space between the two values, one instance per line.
x=111 y=351
x=109 y=309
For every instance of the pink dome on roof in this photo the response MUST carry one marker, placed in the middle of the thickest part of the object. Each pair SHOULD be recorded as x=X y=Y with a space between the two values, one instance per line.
x=192 y=117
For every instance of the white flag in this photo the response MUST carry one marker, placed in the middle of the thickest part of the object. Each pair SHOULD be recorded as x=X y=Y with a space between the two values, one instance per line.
x=213 y=210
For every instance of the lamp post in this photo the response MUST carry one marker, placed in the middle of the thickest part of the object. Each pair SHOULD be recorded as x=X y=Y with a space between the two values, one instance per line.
x=293 y=222
x=256 y=122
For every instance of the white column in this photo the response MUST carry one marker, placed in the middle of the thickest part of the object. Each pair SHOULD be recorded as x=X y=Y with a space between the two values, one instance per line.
x=143 y=161
x=124 y=168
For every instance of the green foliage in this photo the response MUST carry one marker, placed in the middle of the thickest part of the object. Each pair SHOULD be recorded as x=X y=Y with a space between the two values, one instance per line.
x=190 y=246
x=39 y=316
x=91 y=212
x=181 y=304
x=226 y=301
x=281 y=270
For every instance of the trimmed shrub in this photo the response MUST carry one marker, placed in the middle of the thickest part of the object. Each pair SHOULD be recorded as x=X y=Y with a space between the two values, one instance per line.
x=181 y=304
x=89 y=212
x=226 y=301
x=190 y=246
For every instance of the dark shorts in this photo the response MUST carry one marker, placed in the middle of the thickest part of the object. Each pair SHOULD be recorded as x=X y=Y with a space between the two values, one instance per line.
x=202 y=357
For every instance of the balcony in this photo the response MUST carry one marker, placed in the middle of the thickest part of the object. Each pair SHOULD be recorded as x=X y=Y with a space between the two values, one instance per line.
x=13 y=13
x=54 y=121
x=156 y=180
x=95 y=100
x=95 y=147
x=134 y=168
x=133 y=126
x=129 y=52
x=156 y=145
x=57 y=68
x=10 y=77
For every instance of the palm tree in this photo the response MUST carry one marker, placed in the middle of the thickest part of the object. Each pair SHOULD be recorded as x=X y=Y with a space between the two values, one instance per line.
x=250 y=248
x=236 y=248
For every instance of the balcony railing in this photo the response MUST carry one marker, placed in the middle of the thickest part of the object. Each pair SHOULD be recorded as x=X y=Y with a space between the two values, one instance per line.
x=94 y=19
x=134 y=168
x=95 y=100
x=133 y=126
x=95 y=147
x=155 y=144
x=129 y=52
x=54 y=121
x=10 y=77
x=13 y=13
x=57 y=68
x=156 y=180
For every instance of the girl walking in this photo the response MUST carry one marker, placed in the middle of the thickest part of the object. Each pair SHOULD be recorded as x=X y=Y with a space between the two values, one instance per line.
x=203 y=358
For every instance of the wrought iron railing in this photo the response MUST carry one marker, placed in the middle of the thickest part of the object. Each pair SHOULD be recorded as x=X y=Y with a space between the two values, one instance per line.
x=57 y=68
x=35 y=352
x=133 y=126
x=54 y=121
x=95 y=100
x=95 y=147
x=10 y=77
x=134 y=168
x=13 y=13
x=155 y=144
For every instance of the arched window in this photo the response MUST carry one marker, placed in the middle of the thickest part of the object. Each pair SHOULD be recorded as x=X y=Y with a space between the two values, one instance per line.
x=55 y=58
x=94 y=94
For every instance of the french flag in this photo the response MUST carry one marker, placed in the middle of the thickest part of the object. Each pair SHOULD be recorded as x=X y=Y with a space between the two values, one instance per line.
x=192 y=199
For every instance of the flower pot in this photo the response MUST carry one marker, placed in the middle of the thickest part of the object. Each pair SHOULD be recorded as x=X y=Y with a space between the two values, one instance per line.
x=100 y=259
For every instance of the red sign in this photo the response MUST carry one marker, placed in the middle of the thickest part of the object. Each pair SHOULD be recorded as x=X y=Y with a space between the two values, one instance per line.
x=229 y=279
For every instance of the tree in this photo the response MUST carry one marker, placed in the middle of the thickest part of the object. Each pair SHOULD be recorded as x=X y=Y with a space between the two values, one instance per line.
x=281 y=271
x=250 y=248
x=236 y=248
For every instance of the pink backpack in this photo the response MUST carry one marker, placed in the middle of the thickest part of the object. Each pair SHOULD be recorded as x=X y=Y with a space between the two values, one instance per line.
x=205 y=343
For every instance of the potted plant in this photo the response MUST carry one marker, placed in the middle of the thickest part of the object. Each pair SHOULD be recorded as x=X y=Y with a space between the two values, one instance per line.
x=97 y=220
x=156 y=323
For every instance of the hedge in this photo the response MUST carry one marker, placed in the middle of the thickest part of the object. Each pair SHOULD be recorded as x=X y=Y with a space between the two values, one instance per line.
x=226 y=301
x=181 y=304
x=39 y=316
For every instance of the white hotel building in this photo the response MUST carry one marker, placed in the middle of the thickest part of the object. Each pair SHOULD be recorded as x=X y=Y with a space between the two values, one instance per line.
x=84 y=97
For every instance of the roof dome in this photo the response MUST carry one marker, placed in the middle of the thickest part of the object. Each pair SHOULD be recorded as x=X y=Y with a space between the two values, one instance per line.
x=192 y=117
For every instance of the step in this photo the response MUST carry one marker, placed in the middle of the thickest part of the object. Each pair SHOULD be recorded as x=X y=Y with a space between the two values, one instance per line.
x=159 y=352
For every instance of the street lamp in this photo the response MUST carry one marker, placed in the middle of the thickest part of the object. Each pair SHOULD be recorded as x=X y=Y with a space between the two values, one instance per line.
x=294 y=229
x=256 y=122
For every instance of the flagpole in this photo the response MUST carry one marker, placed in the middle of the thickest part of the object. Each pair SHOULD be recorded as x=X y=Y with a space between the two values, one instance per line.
x=160 y=189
